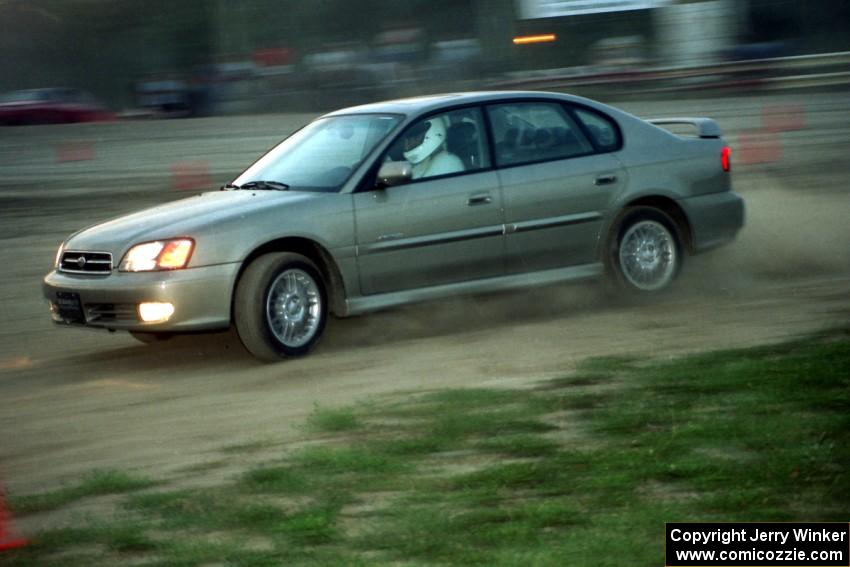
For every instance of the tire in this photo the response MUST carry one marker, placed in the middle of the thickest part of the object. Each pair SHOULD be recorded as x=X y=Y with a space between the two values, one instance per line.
x=150 y=338
x=280 y=306
x=646 y=253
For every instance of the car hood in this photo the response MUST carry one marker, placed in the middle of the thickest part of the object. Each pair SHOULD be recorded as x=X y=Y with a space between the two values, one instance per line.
x=183 y=218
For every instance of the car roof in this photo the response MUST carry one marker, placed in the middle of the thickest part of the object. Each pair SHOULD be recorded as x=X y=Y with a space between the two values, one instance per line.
x=428 y=103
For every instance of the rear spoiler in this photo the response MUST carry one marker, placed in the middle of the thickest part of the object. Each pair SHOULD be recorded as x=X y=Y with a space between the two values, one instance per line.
x=706 y=127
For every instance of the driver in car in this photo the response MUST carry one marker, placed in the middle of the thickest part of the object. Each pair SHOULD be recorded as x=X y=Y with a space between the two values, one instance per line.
x=425 y=148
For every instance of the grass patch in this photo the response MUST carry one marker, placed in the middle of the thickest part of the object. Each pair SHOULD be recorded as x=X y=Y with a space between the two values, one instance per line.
x=284 y=479
x=96 y=483
x=336 y=420
x=314 y=525
x=607 y=365
x=519 y=445
x=346 y=460
x=482 y=477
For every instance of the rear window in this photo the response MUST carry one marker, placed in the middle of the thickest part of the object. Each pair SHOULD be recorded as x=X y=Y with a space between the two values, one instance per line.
x=603 y=131
x=529 y=132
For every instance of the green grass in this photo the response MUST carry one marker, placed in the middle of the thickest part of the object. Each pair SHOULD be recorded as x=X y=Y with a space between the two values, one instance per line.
x=335 y=420
x=96 y=483
x=501 y=477
x=327 y=461
x=524 y=445
x=285 y=479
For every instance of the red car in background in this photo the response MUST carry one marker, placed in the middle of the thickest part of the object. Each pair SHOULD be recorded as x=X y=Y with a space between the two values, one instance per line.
x=51 y=106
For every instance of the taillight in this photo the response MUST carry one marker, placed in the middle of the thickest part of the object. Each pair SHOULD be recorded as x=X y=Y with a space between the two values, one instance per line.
x=726 y=158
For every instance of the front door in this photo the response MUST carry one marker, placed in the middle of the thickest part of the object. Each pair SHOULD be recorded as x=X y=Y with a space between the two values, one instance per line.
x=444 y=226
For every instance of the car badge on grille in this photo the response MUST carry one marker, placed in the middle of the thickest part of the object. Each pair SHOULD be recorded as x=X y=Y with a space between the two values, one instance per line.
x=81 y=262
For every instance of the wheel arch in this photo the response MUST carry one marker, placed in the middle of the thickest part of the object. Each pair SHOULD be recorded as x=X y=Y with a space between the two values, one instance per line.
x=318 y=254
x=666 y=205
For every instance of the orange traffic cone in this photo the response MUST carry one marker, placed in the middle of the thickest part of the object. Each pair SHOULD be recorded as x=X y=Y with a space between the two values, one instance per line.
x=7 y=540
x=190 y=175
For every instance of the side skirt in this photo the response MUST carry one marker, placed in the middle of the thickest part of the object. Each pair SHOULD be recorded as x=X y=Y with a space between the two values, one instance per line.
x=364 y=304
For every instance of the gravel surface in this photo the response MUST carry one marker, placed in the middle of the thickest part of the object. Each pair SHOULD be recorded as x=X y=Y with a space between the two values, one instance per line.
x=75 y=400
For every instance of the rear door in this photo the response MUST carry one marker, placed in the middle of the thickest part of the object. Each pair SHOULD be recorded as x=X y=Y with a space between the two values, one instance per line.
x=557 y=182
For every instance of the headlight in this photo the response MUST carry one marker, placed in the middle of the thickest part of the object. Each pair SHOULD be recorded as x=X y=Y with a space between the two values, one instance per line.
x=159 y=255
x=59 y=255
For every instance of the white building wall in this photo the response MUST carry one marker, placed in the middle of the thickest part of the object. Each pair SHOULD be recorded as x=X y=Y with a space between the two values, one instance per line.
x=696 y=33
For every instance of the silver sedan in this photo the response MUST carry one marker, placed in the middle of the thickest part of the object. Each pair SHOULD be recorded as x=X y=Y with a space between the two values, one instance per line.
x=408 y=200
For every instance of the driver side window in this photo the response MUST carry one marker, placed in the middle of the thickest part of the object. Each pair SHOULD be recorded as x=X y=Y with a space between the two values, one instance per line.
x=443 y=144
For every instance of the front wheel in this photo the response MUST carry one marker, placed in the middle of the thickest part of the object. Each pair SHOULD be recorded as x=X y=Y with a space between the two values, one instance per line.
x=280 y=306
x=646 y=255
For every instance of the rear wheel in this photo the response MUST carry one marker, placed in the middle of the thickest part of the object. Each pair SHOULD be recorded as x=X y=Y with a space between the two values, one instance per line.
x=280 y=306
x=646 y=255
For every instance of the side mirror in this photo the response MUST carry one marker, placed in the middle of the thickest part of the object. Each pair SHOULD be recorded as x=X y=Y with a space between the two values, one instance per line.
x=394 y=173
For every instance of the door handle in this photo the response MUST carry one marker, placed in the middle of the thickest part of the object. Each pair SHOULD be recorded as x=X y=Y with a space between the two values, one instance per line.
x=609 y=179
x=479 y=200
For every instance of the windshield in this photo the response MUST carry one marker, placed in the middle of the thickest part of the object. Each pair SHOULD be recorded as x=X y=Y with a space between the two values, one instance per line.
x=322 y=155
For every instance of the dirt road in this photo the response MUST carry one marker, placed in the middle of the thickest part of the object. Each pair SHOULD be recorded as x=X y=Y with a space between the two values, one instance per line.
x=74 y=400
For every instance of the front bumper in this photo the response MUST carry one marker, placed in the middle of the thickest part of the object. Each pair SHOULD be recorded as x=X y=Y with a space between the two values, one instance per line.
x=201 y=297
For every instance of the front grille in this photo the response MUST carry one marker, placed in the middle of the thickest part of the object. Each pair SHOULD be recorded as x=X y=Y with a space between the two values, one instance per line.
x=92 y=263
x=111 y=313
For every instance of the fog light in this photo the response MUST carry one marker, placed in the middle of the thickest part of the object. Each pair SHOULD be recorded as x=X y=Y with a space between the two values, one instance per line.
x=54 y=311
x=155 y=312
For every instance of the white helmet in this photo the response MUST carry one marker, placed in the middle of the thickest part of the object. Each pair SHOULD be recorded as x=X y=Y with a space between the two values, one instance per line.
x=424 y=139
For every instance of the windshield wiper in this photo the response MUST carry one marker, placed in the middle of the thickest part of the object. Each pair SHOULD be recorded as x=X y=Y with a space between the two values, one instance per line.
x=261 y=185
